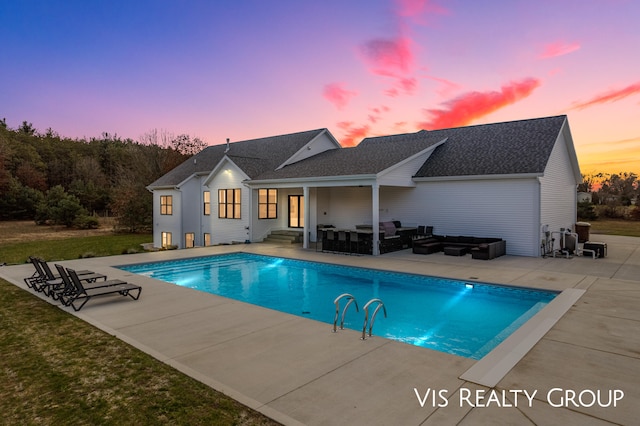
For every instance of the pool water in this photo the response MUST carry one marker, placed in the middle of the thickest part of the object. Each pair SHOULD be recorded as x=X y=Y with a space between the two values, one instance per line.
x=466 y=319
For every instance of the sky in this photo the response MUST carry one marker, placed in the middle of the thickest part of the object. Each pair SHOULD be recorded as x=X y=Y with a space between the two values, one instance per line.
x=244 y=69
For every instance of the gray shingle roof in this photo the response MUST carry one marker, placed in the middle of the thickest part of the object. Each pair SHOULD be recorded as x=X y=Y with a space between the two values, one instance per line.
x=253 y=156
x=371 y=156
x=512 y=147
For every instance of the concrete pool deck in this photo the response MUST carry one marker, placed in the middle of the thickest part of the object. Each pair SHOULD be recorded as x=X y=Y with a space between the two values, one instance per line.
x=297 y=371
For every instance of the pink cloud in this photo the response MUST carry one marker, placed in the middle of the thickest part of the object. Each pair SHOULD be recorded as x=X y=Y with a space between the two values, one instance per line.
x=469 y=106
x=380 y=109
x=392 y=58
x=353 y=135
x=610 y=96
x=416 y=8
x=408 y=84
x=376 y=113
x=392 y=92
x=337 y=94
x=389 y=57
x=446 y=86
x=400 y=125
x=558 y=48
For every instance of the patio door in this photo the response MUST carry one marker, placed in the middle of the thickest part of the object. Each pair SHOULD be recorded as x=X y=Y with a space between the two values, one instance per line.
x=296 y=211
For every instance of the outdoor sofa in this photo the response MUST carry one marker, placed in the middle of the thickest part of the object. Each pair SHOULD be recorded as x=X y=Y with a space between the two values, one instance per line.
x=479 y=247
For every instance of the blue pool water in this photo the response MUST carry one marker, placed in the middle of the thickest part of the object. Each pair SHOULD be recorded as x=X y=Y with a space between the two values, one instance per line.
x=436 y=313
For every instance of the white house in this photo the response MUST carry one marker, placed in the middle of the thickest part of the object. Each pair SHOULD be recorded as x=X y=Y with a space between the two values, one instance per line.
x=584 y=197
x=507 y=180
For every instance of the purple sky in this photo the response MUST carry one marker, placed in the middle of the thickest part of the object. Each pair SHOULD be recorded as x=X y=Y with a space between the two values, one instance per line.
x=244 y=69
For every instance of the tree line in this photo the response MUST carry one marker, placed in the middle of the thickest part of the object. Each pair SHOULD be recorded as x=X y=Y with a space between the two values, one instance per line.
x=57 y=180
x=617 y=196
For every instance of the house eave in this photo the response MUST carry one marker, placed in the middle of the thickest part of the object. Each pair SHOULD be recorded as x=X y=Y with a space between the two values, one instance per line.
x=479 y=177
x=324 y=179
x=151 y=188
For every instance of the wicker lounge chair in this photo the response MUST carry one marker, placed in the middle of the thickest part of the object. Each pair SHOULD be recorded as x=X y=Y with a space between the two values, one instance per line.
x=114 y=287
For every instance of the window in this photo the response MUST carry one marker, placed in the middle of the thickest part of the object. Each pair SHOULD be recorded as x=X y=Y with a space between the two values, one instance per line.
x=166 y=239
x=189 y=240
x=206 y=198
x=207 y=239
x=229 y=203
x=166 y=204
x=267 y=203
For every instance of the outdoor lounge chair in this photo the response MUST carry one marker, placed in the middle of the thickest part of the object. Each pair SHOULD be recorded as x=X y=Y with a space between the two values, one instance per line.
x=43 y=279
x=84 y=294
x=66 y=291
x=37 y=276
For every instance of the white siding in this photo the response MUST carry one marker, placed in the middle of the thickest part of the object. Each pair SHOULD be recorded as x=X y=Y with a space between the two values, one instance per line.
x=403 y=204
x=320 y=144
x=344 y=207
x=225 y=231
x=262 y=227
x=506 y=209
x=191 y=204
x=167 y=223
x=402 y=175
x=558 y=190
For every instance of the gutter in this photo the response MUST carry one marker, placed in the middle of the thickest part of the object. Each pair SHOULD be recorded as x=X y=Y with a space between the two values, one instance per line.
x=479 y=177
x=296 y=181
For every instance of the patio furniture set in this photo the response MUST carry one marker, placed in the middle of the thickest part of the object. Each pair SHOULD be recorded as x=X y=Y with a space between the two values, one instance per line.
x=76 y=288
x=480 y=248
x=392 y=235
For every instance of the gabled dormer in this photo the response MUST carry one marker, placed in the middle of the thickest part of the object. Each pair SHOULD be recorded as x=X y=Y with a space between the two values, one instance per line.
x=322 y=142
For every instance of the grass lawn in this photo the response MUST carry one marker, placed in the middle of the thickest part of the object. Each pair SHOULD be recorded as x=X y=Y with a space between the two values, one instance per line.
x=615 y=227
x=72 y=248
x=56 y=369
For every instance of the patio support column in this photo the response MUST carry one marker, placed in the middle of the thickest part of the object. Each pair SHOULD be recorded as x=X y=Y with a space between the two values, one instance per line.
x=305 y=237
x=375 y=210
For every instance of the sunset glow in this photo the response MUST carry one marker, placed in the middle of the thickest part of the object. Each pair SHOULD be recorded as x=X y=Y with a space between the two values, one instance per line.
x=248 y=69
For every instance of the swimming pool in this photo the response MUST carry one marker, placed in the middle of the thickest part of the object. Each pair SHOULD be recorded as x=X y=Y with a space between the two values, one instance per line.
x=457 y=317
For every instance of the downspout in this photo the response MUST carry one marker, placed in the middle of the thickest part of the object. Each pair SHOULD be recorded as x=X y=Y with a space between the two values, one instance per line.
x=538 y=241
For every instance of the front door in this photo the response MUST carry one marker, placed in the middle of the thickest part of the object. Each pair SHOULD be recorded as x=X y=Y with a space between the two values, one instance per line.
x=296 y=211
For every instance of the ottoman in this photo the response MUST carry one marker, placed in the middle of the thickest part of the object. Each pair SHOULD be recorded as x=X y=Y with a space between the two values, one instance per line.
x=456 y=251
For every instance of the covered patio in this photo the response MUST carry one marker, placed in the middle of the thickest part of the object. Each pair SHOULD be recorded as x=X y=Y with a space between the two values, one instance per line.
x=343 y=205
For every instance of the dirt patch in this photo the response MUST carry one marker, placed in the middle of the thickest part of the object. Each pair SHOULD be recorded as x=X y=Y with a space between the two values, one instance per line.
x=27 y=230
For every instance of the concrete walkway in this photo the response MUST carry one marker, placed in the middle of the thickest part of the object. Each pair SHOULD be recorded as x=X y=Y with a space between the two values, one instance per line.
x=297 y=371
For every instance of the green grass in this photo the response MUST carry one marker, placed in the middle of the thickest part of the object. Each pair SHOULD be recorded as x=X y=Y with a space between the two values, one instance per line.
x=628 y=228
x=58 y=370
x=72 y=248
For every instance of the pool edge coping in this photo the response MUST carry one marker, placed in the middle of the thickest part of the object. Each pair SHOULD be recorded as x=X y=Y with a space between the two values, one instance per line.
x=494 y=366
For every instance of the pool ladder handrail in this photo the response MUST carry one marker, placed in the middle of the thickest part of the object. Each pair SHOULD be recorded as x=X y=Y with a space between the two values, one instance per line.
x=350 y=299
x=373 y=316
